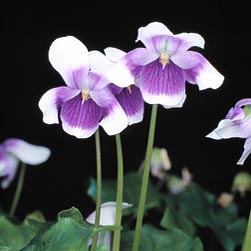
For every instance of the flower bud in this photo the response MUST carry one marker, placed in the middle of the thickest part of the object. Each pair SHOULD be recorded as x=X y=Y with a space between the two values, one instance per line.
x=242 y=183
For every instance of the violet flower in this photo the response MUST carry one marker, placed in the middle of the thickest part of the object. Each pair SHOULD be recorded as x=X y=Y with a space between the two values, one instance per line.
x=86 y=102
x=107 y=218
x=237 y=123
x=14 y=150
x=161 y=69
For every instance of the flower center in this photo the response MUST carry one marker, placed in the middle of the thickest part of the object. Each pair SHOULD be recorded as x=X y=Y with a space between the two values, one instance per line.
x=164 y=58
x=85 y=94
x=129 y=89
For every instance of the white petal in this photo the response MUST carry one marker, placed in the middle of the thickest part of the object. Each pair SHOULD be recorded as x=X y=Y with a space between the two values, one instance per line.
x=114 y=54
x=26 y=152
x=70 y=58
x=246 y=152
x=145 y=34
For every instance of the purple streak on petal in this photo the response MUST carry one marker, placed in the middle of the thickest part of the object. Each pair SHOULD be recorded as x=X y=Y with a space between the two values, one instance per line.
x=132 y=103
x=80 y=118
x=156 y=80
x=235 y=114
x=92 y=81
x=115 y=90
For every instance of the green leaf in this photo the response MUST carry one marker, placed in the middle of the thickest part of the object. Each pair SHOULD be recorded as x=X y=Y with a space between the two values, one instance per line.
x=132 y=186
x=155 y=239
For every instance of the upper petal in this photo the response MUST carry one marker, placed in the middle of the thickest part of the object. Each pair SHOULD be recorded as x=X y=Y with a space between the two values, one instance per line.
x=70 y=58
x=80 y=118
x=146 y=33
x=114 y=119
x=246 y=152
x=162 y=86
x=52 y=100
x=114 y=54
x=198 y=70
x=26 y=152
x=124 y=72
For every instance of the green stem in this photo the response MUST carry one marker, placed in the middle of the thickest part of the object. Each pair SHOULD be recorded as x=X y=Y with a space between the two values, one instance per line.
x=119 y=199
x=18 y=190
x=99 y=188
x=247 y=240
x=145 y=179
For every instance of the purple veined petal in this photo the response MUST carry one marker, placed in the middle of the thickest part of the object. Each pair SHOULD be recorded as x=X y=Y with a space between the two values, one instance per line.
x=8 y=168
x=52 y=100
x=162 y=86
x=70 y=58
x=189 y=40
x=114 y=54
x=124 y=72
x=107 y=218
x=26 y=152
x=114 y=118
x=202 y=74
x=132 y=103
x=145 y=34
x=80 y=118
x=246 y=152
x=232 y=128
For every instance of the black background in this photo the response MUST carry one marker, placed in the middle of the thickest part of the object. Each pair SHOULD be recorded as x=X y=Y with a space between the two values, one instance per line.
x=61 y=182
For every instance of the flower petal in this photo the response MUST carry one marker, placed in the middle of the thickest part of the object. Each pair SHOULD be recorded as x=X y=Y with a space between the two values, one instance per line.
x=124 y=72
x=198 y=70
x=246 y=152
x=132 y=103
x=26 y=152
x=114 y=118
x=80 y=118
x=114 y=54
x=145 y=34
x=162 y=86
x=52 y=100
x=8 y=169
x=70 y=58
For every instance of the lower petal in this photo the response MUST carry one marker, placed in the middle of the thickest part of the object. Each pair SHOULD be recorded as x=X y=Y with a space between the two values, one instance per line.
x=246 y=152
x=132 y=103
x=162 y=86
x=80 y=118
x=26 y=152
x=52 y=100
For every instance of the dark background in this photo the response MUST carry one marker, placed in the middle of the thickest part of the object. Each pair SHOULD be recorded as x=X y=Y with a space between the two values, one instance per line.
x=61 y=182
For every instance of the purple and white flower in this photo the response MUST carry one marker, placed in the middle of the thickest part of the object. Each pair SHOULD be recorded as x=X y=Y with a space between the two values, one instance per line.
x=86 y=102
x=14 y=150
x=107 y=218
x=237 y=124
x=130 y=97
x=161 y=69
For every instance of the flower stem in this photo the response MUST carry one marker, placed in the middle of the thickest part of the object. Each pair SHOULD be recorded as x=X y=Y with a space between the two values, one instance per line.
x=247 y=240
x=119 y=199
x=99 y=188
x=145 y=179
x=18 y=190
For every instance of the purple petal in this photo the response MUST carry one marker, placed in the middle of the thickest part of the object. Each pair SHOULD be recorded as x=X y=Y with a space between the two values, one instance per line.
x=132 y=102
x=124 y=72
x=26 y=152
x=246 y=152
x=198 y=70
x=162 y=86
x=52 y=100
x=145 y=34
x=114 y=118
x=80 y=118
x=70 y=58
x=8 y=168
x=235 y=113
x=243 y=102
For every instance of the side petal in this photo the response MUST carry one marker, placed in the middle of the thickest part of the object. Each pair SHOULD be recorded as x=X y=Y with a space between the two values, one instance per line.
x=114 y=54
x=70 y=58
x=246 y=152
x=162 y=86
x=132 y=103
x=124 y=72
x=8 y=169
x=146 y=33
x=198 y=70
x=26 y=152
x=114 y=118
x=80 y=118
x=52 y=100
